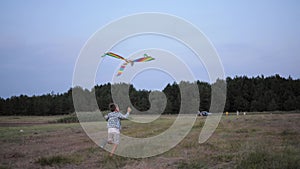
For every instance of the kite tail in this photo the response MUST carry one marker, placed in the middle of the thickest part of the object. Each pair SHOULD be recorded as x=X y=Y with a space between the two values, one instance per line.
x=121 y=70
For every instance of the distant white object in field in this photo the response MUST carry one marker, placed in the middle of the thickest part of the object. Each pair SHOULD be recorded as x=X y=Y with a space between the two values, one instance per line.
x=244 y=113
x=237 y=113
x=21 y=131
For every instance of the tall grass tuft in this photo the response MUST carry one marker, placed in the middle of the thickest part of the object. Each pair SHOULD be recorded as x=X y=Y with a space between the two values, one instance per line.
x=191 y=164
x=261 y=158
x=53 y=160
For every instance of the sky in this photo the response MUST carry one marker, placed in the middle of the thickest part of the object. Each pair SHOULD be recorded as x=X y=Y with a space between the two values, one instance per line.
x=40 y=41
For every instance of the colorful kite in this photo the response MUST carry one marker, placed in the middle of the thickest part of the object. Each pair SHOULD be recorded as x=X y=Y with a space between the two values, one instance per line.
x=146 y=58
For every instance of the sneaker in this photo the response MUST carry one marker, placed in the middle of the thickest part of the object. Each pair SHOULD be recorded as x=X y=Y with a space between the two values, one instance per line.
x=103 y=143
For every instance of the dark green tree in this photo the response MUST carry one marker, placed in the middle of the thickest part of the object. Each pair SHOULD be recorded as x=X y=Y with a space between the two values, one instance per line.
x=172 y=93
x=205 y=95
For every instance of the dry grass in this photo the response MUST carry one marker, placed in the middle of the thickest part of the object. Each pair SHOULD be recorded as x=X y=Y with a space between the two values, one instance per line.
x=251 y=141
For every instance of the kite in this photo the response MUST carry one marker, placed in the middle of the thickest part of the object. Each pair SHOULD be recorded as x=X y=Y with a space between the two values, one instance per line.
x=146 y=58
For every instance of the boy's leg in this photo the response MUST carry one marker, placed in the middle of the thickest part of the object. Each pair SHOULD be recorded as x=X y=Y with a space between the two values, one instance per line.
x=110 y=138
x=108 y=141
x=103 y=143
x=113 y=149
x=116 y=141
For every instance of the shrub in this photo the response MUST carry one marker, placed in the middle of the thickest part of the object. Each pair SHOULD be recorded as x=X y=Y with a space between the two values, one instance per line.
x=68 y=119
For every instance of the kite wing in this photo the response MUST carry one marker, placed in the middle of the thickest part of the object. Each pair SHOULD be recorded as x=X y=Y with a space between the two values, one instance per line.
x=144 y=59
x=122 y=69
x=114 y=55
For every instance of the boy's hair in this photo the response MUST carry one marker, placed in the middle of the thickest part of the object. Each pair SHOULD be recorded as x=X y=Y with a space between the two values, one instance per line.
x=112 y=107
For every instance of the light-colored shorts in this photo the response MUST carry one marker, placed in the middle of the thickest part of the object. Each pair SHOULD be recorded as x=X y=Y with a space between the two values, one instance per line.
x=113 y=136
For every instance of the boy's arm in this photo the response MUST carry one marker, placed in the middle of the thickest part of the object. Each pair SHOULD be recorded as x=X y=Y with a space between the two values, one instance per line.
x=122 y=116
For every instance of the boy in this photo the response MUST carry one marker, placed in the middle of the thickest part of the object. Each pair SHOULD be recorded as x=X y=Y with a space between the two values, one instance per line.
x=114 y=125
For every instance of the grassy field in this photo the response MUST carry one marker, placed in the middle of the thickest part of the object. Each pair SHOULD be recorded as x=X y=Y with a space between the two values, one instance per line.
x=251 y=141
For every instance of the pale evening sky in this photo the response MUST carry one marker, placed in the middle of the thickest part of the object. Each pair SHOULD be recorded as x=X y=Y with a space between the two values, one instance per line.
x=41 y=40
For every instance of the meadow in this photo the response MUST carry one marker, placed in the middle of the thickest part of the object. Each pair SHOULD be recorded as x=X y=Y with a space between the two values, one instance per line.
x=252 y=141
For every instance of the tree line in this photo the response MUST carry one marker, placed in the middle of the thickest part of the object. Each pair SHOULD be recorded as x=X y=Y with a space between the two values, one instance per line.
x=243 y=94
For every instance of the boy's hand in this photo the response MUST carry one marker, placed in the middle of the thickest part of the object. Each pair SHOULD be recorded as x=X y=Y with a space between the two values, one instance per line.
x=129 y=110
